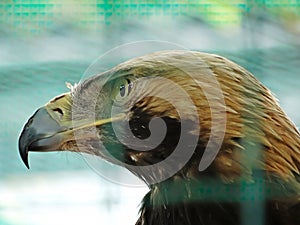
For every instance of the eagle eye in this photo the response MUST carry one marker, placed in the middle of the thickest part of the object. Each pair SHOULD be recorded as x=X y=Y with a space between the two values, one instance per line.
x=123 y=88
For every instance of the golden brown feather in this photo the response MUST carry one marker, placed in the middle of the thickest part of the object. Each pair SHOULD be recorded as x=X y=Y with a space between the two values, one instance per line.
x=260 y=149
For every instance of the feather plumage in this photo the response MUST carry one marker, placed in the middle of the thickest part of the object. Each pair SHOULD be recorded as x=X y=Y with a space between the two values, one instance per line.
x=257 y=166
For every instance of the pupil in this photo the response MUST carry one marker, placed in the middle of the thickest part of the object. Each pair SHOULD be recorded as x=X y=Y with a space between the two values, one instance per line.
x=122 y=90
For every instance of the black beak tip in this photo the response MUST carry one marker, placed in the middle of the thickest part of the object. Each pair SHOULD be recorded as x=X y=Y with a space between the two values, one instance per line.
x=25 y=160
x=23 y=152
x=24 y=157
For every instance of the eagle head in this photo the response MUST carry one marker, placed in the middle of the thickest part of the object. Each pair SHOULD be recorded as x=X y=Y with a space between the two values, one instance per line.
x=179 y=117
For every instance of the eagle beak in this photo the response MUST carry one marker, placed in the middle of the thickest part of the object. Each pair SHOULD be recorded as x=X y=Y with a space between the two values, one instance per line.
x=50 y=128
x=40 y=133
x=47 y=129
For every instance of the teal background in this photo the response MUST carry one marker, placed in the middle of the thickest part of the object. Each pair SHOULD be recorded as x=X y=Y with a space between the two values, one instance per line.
x=44 y=44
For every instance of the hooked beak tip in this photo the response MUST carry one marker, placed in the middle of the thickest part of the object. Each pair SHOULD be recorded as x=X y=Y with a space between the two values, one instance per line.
x=25 y=161
x=24 y=155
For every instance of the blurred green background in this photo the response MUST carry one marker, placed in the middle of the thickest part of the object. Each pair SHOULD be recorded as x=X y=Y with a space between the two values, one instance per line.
x=45 y=43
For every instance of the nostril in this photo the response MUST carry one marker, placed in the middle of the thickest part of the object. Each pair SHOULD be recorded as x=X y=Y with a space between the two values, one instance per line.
x=59 y=112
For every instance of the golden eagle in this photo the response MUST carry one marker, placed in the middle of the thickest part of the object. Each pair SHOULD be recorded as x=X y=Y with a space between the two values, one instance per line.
x=238 y=158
